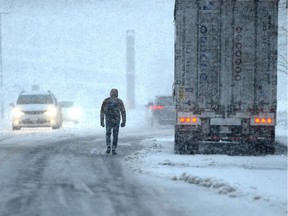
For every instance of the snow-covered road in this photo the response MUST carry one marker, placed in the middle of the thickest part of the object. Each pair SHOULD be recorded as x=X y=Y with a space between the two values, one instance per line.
x=66 y=172
x=43 y=173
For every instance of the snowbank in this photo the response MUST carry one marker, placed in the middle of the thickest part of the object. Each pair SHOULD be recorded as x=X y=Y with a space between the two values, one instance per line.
x=262 y=179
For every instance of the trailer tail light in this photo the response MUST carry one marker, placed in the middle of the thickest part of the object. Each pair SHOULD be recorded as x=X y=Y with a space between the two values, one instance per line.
x=189 y=120
x=262 y=121
x=182 y=119
x=157 y=107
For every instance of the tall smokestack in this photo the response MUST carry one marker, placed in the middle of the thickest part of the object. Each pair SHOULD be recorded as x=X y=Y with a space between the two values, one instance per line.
x=130 y=40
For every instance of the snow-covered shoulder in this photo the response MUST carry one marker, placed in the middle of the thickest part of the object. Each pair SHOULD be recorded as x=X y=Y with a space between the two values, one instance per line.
x=260 y=179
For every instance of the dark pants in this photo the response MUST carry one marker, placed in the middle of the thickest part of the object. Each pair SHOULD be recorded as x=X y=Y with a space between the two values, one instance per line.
x=112 y=128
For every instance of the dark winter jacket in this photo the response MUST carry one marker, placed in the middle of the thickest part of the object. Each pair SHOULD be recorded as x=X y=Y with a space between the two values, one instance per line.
x=111 y=108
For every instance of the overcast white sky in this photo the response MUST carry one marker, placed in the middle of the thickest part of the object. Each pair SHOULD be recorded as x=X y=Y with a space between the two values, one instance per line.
x=77 y=49
x=66 y=43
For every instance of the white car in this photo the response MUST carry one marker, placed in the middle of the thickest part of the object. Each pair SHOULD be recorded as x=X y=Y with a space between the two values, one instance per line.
x=36 y=109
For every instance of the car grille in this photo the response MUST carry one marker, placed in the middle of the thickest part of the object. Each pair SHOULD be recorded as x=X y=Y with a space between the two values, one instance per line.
x=34 y=112
x=35 y=121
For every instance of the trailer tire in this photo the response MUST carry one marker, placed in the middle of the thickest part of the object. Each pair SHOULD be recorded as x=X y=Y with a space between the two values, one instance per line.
x=178 y=145
x=270 y=149
x=264 y=148
x=192 y=146
x=184 y=143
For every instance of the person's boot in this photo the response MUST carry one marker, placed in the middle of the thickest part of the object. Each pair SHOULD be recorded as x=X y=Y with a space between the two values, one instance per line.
x=114 y=152
x=108 y=150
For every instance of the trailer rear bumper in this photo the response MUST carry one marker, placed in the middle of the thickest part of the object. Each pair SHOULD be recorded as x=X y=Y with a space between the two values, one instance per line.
x=228 y=132
x=260 y=139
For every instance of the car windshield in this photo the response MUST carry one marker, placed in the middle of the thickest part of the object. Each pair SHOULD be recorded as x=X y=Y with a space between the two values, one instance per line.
x=165 y=101
x=35 y=99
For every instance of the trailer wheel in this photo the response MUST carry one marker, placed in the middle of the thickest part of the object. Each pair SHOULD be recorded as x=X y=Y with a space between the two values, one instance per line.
x=192 y=146
x=185 y=142
x=270 y=149
x=264 y=147
x=178 y=144
x=267 y=145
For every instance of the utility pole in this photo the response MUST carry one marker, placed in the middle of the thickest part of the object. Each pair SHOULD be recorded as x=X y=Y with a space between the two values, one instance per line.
x=1 y=68
x=130 y=43
x=1 y=65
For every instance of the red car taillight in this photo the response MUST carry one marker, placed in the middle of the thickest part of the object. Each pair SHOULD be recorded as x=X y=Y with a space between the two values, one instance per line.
x=157 y=107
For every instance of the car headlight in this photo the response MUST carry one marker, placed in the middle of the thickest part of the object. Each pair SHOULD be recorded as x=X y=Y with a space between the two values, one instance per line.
x=16 y=112
x=75 y=113
x=52 y=111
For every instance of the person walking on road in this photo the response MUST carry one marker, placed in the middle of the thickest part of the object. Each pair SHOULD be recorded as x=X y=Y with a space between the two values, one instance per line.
x=113 y=110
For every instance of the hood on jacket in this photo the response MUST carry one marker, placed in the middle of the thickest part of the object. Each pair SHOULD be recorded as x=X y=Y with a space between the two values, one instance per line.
x=114 y=93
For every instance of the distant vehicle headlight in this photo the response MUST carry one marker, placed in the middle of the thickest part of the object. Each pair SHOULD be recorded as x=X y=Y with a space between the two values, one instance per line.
x=52 y=111
x=16 y=112
x=75 y=113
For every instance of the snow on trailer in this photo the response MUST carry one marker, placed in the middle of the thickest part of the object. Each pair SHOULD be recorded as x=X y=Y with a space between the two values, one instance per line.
x=225 y=78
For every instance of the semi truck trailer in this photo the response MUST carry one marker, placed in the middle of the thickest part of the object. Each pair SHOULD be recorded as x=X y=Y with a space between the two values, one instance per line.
x=225 y=77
